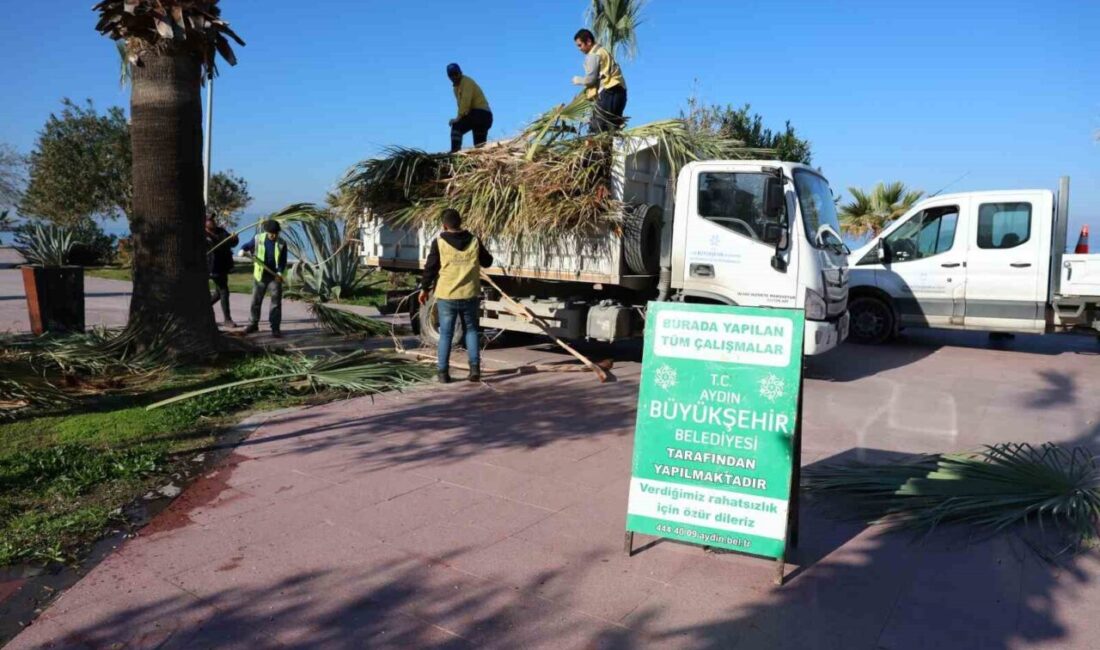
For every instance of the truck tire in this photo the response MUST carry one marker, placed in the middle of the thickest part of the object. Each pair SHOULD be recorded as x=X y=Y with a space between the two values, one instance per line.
x=642 y=238
x=429 y=326
x=872 y=320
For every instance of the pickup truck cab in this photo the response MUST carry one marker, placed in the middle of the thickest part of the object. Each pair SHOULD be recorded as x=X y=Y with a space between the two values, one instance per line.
x=990 y=261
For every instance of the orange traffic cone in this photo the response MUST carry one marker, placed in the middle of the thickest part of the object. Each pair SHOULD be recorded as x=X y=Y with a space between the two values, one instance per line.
x=1083 y=242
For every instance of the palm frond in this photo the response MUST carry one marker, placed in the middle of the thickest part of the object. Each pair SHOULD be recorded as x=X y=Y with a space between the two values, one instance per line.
x=545 y=187
x=615 y=24
x=346 y=323
x=1004 y=485
x=359 y=372
x=293 y=213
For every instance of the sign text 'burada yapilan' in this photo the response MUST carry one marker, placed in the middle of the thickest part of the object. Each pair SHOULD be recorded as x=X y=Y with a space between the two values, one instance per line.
x=717 y=412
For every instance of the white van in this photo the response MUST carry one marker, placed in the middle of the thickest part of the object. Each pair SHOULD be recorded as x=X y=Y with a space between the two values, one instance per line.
x=990 y=261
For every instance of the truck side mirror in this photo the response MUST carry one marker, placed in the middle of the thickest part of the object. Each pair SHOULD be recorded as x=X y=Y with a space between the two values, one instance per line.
x=776 y=233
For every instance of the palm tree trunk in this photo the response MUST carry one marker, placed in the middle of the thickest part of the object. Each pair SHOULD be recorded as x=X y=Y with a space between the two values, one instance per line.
x=170 y=272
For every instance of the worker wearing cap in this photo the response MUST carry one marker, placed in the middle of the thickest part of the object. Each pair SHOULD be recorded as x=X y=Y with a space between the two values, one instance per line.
x=603 y=83
x=268 y=265
x=473 y=109
x=453 y=271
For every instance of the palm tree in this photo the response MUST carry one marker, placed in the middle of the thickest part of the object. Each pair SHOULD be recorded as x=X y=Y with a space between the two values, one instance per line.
x=869 y=213
x=169 y=44
x=615 y=23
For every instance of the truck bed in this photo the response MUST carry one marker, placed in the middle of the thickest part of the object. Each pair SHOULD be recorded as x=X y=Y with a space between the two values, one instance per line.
x=1080 y=275
x=640 y=175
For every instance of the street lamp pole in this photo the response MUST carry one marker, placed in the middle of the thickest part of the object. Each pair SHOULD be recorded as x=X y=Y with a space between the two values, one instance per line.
x=207 y=141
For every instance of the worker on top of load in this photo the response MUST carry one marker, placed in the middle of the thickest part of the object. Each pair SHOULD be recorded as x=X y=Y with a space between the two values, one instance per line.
x=453 y=269
x=473 y=109
x=603 y=82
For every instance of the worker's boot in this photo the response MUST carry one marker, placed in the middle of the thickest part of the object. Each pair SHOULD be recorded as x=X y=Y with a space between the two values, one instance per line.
x=475 y=372
x=443 y=377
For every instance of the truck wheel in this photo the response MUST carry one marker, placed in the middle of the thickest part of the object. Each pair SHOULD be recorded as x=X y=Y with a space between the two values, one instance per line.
x=642 y=238
x=872 y=320
x=429 y=326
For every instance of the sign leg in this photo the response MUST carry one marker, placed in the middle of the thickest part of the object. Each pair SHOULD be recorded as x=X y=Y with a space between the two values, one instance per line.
x=628 y=544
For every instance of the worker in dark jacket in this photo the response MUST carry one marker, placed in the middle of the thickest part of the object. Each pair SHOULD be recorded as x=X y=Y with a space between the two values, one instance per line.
x=268 y=265
x=454 y=271
x=219 y=261
x=473 y=109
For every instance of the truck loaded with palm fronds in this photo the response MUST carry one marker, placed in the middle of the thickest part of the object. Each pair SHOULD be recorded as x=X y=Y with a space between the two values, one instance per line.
x=586 y=227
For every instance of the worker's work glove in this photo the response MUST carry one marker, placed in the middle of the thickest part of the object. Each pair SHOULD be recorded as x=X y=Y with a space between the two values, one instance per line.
x=578 y=81
x=279 y=278
x=423 y=297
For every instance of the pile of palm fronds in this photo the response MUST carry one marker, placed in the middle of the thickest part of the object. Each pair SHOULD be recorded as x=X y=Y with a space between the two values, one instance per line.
x=550 y=180
x=358 y=372
x=1001 y=486
x=102 y=352
x=345 y=323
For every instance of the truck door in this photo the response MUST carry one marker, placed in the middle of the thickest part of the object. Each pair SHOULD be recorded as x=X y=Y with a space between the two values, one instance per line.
x=924 y=270
x=729 y=248
x=1006 y=281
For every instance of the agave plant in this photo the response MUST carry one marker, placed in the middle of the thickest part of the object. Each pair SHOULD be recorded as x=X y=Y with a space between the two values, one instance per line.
x=327 y=262
x=358 y=372
x=1002 y=486
x=45 y=244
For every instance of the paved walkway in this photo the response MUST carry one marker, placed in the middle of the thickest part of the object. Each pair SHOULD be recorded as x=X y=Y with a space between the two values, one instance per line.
x=491 y=516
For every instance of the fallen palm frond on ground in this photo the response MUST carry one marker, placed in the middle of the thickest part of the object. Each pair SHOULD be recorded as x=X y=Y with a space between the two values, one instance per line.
x=1002 y=486
x=358 y=372
x=345 y=323
x=549 y=180
x=101 y=352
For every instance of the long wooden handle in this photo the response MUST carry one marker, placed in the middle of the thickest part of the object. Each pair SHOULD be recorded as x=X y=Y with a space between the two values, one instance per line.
x=522 y=310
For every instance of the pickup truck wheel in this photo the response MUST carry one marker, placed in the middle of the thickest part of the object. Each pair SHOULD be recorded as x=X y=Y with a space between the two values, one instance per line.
x=872 y=320
x=429 y=326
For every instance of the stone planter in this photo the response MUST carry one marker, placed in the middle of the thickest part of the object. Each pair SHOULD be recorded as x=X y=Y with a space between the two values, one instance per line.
x=55 y=298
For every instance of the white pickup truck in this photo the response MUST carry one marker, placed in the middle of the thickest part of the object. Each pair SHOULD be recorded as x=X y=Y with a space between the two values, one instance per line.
x=992 y=261
x=751 y=233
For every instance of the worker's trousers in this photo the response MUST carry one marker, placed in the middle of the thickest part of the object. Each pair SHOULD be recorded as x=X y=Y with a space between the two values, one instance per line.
x=608 y=113
x=450 y=311
x=477 y=120
x=275 y=311
x=221 y=293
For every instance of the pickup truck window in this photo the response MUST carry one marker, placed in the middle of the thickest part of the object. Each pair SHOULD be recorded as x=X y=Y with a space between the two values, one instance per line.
x=929 y=232
x=735 y=201
x=818 y=207
x=1003 y=225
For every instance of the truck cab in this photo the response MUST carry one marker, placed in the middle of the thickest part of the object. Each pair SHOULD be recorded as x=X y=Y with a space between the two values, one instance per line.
x=976 y=261
x=762 y=234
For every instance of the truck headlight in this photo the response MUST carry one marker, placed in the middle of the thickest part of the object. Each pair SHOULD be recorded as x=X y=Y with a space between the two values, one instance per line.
x=815 y=306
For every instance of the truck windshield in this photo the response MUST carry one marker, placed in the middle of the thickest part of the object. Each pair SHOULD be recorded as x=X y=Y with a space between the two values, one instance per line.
x=818 y=209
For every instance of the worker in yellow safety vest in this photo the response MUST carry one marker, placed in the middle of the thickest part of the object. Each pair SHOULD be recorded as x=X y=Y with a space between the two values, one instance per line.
x=453 y=270
x=268 y=265
x=473 y=109
x=603 y=83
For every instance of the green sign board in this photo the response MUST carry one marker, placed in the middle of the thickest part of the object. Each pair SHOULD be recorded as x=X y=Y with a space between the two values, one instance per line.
x=717 y=415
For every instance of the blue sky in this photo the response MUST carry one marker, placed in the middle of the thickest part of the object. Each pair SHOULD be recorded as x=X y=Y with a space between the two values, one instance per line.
x=1006 y=92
